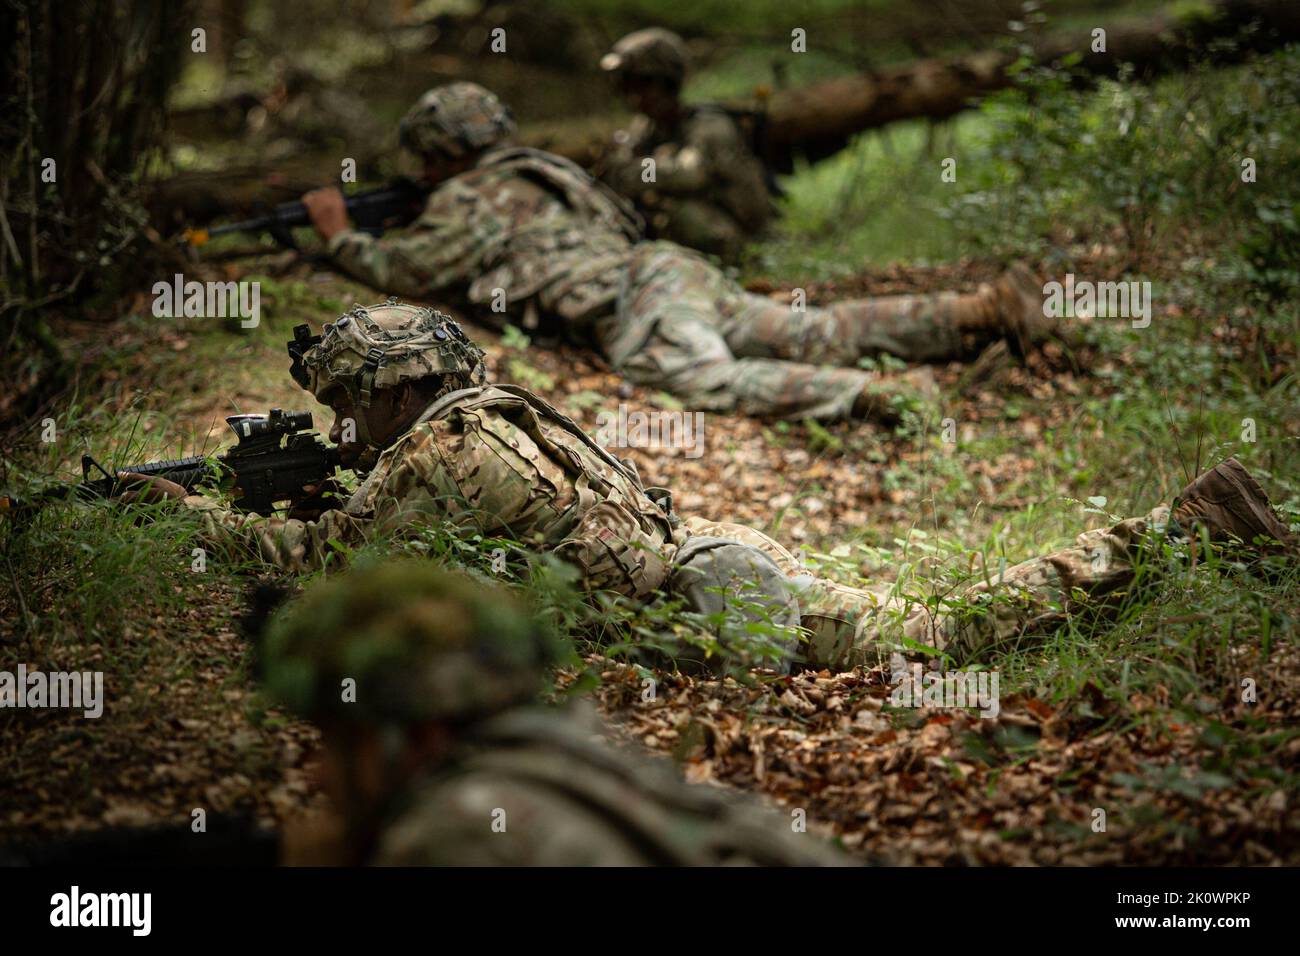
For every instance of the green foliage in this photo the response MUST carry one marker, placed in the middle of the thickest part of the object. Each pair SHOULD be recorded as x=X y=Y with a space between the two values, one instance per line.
x=285 y=294
x=519 y=371
x=1270 y=253
x=661 y=634
x=875 y=201
x=96 y=571
x=1043 y=165
x=79 y=571
x=515 y=338
x=710 y=16
x=1143 y=160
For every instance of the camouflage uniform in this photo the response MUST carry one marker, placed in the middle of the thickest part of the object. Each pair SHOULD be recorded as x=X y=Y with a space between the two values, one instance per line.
x=709 y=190
x=849 y=627
x=501 y=460
x=494 y=458
x=530 y=237
x=521 y=785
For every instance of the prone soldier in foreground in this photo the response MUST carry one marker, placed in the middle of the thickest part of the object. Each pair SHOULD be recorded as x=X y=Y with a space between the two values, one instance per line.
x=440 y=754
x=444 y=757
x=502 y=461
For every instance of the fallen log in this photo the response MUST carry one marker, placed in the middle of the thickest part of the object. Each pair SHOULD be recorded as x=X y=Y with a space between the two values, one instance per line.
x=819 y=120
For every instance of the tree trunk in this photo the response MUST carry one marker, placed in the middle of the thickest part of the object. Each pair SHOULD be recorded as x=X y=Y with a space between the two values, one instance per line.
x=84 y=95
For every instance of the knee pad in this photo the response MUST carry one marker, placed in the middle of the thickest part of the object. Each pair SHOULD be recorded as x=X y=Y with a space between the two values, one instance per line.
x=748 y=595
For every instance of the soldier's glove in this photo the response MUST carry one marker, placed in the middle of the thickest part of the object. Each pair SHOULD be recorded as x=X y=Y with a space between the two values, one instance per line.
x=328 y=495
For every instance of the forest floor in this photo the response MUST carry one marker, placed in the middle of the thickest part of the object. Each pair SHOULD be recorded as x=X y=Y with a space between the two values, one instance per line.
x=186 y=727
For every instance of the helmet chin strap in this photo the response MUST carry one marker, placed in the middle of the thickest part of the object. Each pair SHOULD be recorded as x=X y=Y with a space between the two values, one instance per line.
x=363 y=426
x=369 y=455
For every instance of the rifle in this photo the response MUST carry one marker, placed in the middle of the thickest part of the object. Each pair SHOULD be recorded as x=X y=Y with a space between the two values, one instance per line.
x=228 y=841
x=375 y=211
x=276 y=455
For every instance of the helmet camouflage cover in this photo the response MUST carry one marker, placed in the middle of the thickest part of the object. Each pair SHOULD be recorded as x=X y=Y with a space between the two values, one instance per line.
x=421 y=643
x=455 y=119
x=654 y=53
x=379 y=346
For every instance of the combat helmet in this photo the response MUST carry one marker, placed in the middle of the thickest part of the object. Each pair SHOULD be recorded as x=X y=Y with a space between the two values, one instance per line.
x=421 y=643
x=380 y=346
x=654 y=53
x=455 y=119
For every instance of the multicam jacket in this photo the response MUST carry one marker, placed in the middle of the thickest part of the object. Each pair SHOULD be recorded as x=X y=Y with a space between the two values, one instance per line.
x=500 y=460
x=524 y=236
x=503 y=461
x=533 y=788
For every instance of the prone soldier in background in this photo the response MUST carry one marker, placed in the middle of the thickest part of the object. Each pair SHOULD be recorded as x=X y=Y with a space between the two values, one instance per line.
x=520 y=235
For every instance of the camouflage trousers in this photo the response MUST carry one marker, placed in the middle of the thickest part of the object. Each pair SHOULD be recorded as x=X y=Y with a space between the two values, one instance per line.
x=851 y=627
x=683 y=326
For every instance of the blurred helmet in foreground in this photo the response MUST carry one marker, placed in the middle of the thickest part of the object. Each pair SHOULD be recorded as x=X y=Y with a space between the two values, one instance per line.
x=421 y=643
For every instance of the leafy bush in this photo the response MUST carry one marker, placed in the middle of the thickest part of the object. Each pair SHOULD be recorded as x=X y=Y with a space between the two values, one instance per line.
x=1137 y=160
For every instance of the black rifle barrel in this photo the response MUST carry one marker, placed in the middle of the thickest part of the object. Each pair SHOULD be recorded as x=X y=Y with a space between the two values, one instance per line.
x=400 y=199
x=275 y=458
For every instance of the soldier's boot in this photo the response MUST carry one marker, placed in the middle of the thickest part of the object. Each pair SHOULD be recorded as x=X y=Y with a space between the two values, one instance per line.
x=1230 y=504
x=927 y=328
x=888 y=399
